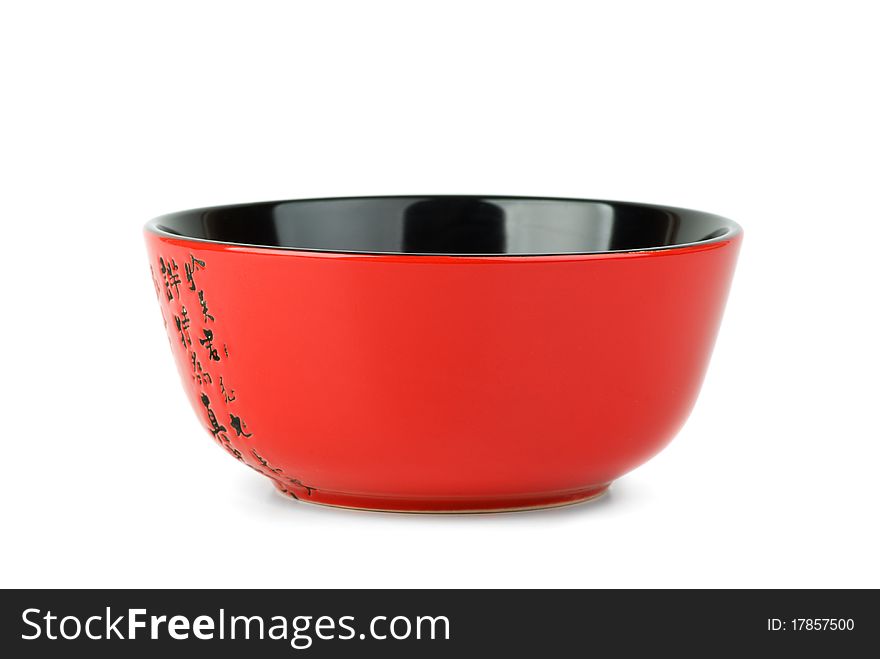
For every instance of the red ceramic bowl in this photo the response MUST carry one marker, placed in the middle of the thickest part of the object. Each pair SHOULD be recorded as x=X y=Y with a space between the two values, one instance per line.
x=442 y=353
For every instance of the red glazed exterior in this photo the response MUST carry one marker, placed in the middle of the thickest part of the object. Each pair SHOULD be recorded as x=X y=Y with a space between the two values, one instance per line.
x=441 y=383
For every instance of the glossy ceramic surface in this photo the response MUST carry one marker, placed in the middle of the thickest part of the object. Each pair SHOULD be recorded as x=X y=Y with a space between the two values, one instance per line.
x=442 y=353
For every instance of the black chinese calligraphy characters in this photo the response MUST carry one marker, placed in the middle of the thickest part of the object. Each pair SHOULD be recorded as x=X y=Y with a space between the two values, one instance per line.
x=179 y=290
x=228 y=394
x=206 y=316
x=265 y=463
x=277 y=474
x=199 y=374
x=170 y=278
x=219 y=430
x=299 y=483
x=190 y=270
x=208 y=344
x=216 y=427
x=238 y=426
x=182 y=322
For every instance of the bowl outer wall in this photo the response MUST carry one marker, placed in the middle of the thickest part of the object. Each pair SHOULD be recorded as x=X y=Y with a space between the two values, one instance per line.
x=440 y=376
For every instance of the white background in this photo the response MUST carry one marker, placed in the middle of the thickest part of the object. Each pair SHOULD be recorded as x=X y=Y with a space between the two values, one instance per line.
x=114 y=112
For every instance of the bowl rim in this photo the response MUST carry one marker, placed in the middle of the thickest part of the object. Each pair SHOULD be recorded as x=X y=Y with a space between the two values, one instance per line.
x=733 y=229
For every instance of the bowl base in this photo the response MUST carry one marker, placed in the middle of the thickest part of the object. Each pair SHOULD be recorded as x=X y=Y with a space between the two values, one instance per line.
x=457 y=505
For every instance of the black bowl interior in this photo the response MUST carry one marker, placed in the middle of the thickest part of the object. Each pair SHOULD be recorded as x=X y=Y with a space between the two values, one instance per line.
x=456 y=225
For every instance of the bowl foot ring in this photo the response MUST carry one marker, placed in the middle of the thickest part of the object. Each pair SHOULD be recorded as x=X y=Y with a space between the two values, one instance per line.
x=463 y=505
